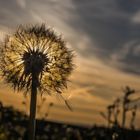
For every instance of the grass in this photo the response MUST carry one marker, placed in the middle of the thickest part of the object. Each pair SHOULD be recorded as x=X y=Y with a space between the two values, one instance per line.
x=14 y=124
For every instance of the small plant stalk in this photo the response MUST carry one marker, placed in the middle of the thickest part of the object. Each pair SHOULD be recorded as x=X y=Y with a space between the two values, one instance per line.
x=109 y=118
x=123 y=116
x=32 y=121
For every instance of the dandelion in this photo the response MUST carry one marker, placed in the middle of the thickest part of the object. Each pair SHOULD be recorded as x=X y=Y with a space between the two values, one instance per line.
x=35 y=59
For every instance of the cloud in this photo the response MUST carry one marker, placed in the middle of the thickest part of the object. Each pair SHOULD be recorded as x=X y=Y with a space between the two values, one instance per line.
x=109 y=26
x=136 y=18
x=22 y=3
x=129 y=54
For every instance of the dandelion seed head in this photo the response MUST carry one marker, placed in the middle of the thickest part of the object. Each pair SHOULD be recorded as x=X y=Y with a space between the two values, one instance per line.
x=36 y=50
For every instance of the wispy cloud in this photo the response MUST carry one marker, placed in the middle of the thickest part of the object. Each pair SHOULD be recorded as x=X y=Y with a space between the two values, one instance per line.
x=109 y=27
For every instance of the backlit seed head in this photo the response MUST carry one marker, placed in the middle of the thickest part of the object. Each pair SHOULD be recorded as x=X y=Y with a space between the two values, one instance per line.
x=36 y=50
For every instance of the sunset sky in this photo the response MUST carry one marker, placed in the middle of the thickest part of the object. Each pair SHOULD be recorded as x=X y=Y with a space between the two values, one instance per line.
x=105 y=37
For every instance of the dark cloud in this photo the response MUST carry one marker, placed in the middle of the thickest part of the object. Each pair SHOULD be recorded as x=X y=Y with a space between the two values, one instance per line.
x=129 y=6
x=109 y=24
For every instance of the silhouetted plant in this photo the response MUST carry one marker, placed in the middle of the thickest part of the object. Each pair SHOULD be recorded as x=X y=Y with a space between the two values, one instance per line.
x=48 y=109
x=107 y=117
x=127 y=91
x=1 y=112
x=116 y=112
x=133 y=117
x=35 y=59
x=110 y=110
x=112 y=113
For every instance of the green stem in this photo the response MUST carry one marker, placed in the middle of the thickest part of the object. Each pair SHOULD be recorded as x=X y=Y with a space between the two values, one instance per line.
x=33 y=108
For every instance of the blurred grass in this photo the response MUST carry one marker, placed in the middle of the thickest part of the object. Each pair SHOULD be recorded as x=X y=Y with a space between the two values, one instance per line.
x=14 y=124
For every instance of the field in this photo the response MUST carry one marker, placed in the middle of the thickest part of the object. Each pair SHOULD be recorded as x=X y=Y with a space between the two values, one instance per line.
x=14 y=126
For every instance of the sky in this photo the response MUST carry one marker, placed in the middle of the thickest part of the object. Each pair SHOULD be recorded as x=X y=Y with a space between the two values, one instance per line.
x=105 y=38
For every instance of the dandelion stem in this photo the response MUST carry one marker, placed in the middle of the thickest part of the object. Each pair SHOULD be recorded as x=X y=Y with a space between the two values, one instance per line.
x=33 y=108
